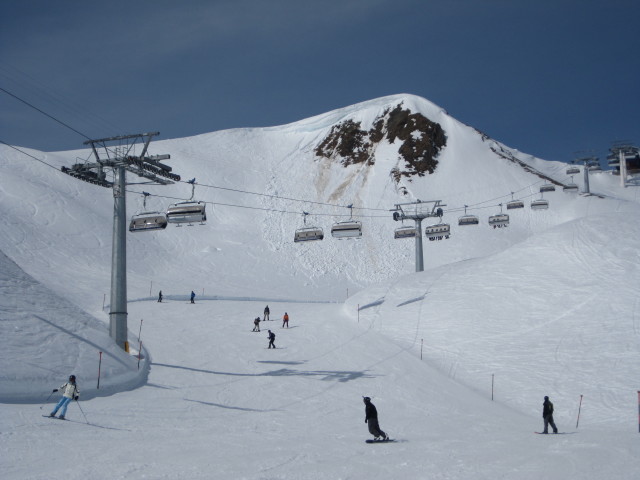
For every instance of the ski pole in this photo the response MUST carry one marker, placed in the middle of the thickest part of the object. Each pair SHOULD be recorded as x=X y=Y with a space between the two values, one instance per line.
x=579 y=408
x=85 y=417
x=45 y=402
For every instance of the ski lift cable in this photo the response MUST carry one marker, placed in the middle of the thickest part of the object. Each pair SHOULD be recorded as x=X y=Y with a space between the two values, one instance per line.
x=29 y=155
x=44 y=113
x=266 y=209
x=237 y=190
x=192 y=182
x=476 y=206
x=18 y=77
x=351 y=207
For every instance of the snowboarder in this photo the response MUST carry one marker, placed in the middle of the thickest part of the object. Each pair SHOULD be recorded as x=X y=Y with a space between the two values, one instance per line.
x=547 y=415
x=371 y=419
x=69 y=392
x=266 y=313
x=256 y=324
x=285 y=320
x=160 y=296
x=272 y=338
x=193 y=296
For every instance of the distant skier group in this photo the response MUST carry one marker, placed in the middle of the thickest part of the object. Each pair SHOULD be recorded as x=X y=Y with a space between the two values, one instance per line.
x=271 y=336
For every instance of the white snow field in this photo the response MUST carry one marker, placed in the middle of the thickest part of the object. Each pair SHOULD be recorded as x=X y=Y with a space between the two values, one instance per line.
x=546 y=306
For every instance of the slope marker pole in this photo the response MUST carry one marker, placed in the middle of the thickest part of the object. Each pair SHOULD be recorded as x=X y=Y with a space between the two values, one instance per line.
x=99 y=367
x=492 y=382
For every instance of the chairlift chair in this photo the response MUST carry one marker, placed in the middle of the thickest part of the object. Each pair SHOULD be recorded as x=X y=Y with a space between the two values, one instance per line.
x=147 y=221
x=513 y=204
x=405 y=232
x=547 y=187
x=347 y=229
x=570 y=187
x=573 y=170
x=498 y=221
x=438 y=232
x=594 y=167
x=468 y=219
x=187 y=212
x=307 y=234
x=540 y=204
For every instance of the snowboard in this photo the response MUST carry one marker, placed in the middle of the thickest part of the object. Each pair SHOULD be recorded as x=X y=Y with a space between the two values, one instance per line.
x=559 y=433
x=388 y=440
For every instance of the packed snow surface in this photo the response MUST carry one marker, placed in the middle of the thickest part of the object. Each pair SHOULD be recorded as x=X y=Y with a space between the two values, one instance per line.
x=457 y=359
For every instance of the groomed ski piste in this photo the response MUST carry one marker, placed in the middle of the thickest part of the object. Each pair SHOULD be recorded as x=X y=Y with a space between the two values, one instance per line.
x=546 y=306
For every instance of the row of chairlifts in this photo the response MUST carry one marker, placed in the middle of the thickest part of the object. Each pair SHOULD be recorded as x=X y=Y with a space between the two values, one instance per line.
x=188 y=212
x=571 y=187
x=442 y=231
x=537 y=204
x=346 y=229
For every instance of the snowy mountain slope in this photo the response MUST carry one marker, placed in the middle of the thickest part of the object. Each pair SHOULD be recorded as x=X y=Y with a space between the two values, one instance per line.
x=555 y=313
x=218 y=404
x=530 y=303
x=276 y=161
x=43 y=333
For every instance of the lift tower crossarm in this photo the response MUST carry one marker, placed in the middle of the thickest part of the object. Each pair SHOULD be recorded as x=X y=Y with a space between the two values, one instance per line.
x=400 y=212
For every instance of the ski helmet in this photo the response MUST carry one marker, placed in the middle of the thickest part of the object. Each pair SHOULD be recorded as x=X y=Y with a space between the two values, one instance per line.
x=72 y=378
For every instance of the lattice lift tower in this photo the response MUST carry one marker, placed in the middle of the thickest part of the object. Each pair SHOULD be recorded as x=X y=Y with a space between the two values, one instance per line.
x=117 y=154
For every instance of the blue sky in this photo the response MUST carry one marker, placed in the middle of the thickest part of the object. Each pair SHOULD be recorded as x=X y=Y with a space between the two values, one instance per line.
x=548 y=77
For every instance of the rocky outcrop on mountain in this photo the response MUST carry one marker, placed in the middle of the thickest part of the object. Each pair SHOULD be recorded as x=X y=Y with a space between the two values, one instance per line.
x=420 y=141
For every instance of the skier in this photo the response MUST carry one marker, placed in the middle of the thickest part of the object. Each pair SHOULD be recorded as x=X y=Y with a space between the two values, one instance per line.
x=69 y=392
x=371 y=419
x=256 y=324
x=266 y=313
x=193 y=296
x=547 y=415
x=285 y=320
x=272 y=338
x=160 y=296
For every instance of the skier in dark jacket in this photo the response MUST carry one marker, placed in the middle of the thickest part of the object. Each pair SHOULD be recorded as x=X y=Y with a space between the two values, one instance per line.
x=160 y=296
x=256 y=324
x=193 y=296
x=371 y=419
x=69 y=392
x=547 y=415
x=272 y=338
x=266 y=313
